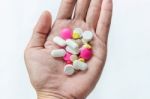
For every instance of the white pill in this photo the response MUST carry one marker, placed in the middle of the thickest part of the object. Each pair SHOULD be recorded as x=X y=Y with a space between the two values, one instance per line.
x=79 y=42
x=78 y=65
x=58 y=53
x=73 y=57
x=83 y=41
x=69 y=70
x=71 y=43
x=87 y=36
x=78 y=30
x=72 y=51
x=59 y=41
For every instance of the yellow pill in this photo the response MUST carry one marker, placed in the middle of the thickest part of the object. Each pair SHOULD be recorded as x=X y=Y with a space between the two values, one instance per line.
x=81 y=59
x=87 y=46
x=76 y=35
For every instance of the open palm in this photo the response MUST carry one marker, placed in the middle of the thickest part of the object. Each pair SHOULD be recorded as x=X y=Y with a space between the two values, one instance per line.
x=46 y=73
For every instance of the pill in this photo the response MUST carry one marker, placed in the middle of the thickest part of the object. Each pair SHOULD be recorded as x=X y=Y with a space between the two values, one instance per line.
x=76 y=35
x=84 y=41
x=71 y=43
x=72 y=51
x=79 y=42
x=87 y=36
x=58 y=53
x=59 y=41
x=87 y=46
x=86 y=53
x=69 y=69
x=67 y=57
x=78 y=65
x=69 y=62
x=73 y=57
x=66 y=33
x=82 y=59
x=78 y=30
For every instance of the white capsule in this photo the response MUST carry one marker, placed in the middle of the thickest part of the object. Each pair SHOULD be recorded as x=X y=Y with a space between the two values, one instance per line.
x=78 y=65
x=71 y=43
x=87 y=36
x=59 y=41
x=69 y=70
x=58 y=53
x=72 y=51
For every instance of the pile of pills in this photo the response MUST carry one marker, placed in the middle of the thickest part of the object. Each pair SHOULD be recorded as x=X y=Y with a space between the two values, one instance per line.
x=75 y=49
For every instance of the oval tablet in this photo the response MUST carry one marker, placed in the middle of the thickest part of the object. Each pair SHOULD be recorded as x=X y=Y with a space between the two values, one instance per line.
x=69 y=70
x=72 y=51
x=71 y=43
x=59 y=41
x=78 y=65
x=58 y=53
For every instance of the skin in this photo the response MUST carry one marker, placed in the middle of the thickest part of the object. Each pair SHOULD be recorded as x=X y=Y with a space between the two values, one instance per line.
x=45 y=72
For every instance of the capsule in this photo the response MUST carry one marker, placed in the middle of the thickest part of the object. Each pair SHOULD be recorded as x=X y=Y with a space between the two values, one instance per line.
x=59 y=41
x=58 y=53
x=78 y=65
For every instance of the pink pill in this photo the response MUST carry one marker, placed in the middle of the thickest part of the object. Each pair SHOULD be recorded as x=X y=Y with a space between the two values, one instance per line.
x=66 y=33
x=69 y=62
x=86 y=53
x=67 y=57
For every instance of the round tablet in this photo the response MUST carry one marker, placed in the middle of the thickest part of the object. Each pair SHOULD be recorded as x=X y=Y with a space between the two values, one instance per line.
x=87 y=36
x=69 y=70
x=67 y=57
x=66 y=33
x=86 y=53
x=78 y=30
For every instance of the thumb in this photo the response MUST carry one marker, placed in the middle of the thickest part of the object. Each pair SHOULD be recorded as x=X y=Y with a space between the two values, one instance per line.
x=41 y=30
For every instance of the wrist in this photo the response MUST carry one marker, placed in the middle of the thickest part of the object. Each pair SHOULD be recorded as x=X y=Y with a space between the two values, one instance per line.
x=45 y=95
x=49 y=97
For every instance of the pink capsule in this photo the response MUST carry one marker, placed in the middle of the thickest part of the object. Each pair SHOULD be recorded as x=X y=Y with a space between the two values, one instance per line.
x=66 y=33
x=67 y=57
x=86 y=53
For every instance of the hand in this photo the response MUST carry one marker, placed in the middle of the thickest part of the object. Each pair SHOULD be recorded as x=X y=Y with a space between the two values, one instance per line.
x=46 y=73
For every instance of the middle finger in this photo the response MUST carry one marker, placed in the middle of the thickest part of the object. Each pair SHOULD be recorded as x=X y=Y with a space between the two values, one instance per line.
x=81 y=9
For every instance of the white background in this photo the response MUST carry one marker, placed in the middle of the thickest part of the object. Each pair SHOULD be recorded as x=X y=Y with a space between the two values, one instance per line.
x=127 y=71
